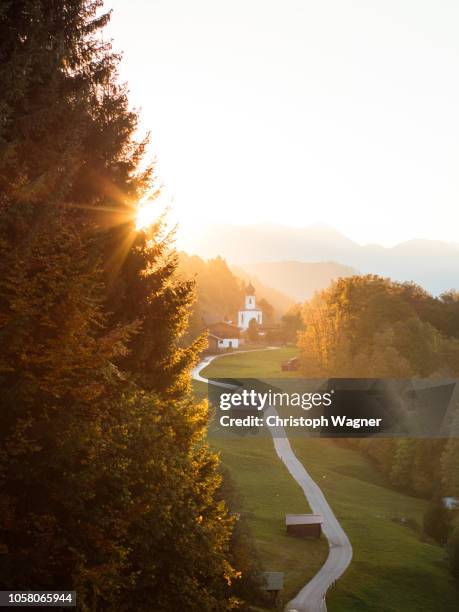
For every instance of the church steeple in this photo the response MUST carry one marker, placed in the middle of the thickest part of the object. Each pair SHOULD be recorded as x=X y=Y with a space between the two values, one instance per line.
x=250 y=300
x=249 y=289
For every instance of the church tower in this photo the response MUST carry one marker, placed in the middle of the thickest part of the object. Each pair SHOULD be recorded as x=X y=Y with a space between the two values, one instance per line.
x=250 y=310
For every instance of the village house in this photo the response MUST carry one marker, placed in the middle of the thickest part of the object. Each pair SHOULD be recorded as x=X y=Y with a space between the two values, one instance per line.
x=223 y=335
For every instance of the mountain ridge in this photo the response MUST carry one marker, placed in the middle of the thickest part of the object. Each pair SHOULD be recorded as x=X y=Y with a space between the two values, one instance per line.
x=434 y=264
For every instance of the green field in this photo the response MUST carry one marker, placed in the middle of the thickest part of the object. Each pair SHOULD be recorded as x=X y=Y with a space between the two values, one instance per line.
x=253 y=364
x=268 y=493
x=392 y=569
x=267 y=490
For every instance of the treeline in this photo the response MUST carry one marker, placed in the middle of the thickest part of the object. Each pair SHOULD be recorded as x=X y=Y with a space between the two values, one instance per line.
x=219 y=293
x=107 y=485
x=368 y=326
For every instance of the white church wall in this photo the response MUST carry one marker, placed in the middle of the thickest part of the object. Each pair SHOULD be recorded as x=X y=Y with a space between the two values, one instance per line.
x=245 y=316
x=249 y=313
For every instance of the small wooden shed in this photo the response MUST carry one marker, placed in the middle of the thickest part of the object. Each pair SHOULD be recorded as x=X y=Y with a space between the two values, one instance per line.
x=273 y=583
x=304 y=525
x=290 y=365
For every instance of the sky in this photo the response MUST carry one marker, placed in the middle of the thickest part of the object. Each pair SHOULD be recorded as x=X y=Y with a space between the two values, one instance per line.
x=343 y=112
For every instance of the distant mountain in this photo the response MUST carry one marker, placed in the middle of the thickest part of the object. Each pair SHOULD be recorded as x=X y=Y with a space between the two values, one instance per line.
x=298 y=279
x=430 y=263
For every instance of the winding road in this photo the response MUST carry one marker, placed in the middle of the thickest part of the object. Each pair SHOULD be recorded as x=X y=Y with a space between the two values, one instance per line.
x=311 y=598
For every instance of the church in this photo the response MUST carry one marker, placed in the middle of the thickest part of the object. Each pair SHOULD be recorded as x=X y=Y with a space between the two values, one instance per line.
x=224 y=335
x=250 y=310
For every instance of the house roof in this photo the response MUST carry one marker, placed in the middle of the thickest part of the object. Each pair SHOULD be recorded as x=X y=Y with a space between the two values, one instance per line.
x=224 y=330
x=274 y=581
x=303 y=519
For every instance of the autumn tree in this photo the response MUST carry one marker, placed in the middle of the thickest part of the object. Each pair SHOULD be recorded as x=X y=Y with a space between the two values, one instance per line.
x=106 y=482
x=372 y=327
x=292 y=324
x=369 y=326
x=252 y=332
x=268 y=311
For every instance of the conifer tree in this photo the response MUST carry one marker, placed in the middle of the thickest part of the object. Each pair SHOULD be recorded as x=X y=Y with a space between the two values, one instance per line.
x=106 y=483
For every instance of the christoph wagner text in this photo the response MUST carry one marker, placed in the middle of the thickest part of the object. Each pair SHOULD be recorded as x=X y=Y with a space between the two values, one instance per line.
x=277 y=421
x=259 y=401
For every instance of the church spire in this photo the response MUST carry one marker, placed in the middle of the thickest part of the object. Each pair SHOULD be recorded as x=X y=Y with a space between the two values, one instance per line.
x=250 y=289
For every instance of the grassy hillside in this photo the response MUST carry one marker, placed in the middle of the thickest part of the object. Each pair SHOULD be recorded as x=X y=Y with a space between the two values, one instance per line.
x=298 y=279
x=268 y=493
x=263 y=363
x=267 y=490
x=392 y=569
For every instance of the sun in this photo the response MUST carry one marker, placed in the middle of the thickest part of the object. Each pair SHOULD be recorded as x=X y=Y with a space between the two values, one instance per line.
x=147 y=214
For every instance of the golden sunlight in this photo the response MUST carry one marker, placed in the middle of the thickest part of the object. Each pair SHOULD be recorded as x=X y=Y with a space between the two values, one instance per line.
x=147 y=214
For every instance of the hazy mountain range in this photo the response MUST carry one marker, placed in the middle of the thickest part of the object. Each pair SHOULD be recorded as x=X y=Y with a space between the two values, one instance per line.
x=430 y=263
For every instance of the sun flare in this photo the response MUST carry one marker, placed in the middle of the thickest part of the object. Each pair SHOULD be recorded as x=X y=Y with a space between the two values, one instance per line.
x=147 y=214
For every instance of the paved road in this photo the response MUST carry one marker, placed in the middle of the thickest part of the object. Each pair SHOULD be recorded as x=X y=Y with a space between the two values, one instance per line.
x=311 y=598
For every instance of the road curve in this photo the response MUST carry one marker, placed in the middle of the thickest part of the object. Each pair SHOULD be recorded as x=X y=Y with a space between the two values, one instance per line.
x=311 y=598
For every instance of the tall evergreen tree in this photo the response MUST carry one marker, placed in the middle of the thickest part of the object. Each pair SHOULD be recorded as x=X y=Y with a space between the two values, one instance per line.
x=106 y=483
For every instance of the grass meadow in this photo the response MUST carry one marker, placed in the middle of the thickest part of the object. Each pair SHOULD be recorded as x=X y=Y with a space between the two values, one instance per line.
x=393 y=569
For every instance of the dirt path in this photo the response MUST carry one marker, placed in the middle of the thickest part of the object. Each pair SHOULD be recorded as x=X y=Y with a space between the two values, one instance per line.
x=311 y=598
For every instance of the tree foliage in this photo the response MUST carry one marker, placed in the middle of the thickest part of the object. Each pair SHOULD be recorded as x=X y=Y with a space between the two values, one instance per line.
x=106 y=482
x=252 y=333
x=368 y=326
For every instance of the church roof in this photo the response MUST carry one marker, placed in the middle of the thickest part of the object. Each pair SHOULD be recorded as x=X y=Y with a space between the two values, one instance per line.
x=250 y=289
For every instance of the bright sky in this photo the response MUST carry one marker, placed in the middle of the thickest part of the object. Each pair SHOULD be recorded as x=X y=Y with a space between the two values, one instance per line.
x=301 y=111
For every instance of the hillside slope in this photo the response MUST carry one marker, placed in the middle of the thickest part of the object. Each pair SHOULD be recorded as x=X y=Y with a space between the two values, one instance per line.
x=299 y=280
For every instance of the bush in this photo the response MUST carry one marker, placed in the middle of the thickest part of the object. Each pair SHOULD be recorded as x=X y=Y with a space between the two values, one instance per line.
x=452 y=548
x=436 y=521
